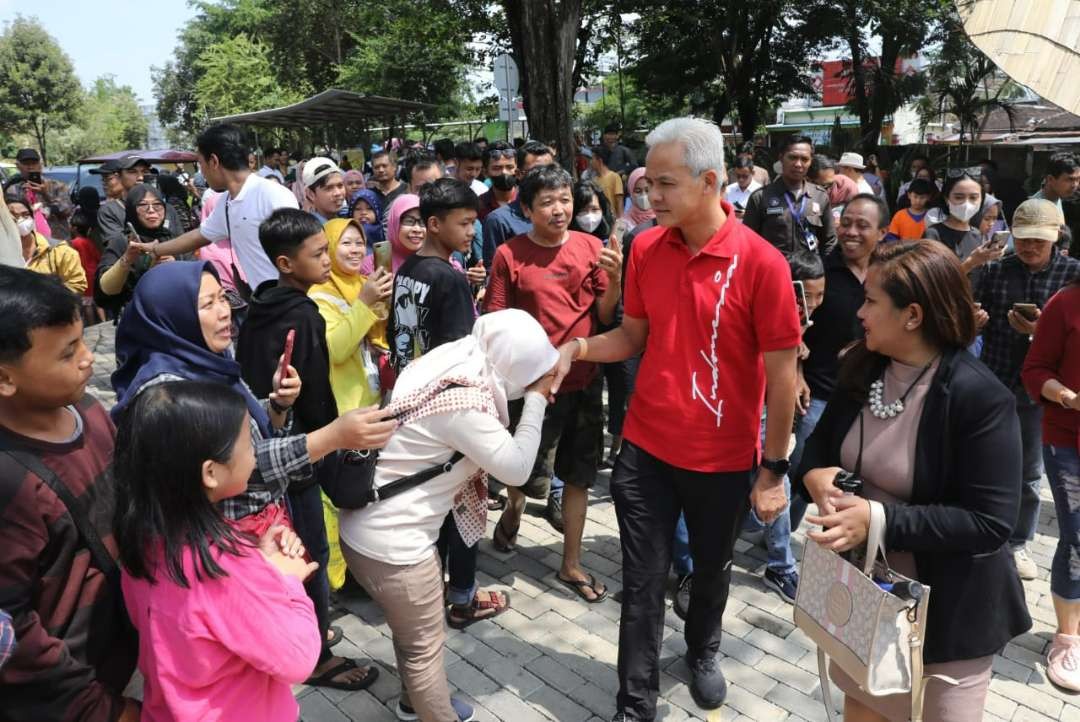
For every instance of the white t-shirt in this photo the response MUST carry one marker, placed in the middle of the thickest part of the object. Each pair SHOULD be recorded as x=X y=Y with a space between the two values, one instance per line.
x=402 y=530
x=257 y=199
x=734 y=194
x=478 y=187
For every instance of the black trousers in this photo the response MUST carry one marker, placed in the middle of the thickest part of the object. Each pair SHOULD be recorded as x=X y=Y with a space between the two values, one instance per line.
x=307 y=518
x=649 y=495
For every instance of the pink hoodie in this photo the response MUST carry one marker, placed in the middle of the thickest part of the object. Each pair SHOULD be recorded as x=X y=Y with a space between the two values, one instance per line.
x=223 y=649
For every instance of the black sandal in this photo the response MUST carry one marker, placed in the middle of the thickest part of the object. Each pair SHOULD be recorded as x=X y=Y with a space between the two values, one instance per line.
x=336 y=635
x=508 y=542
x=476 y=610
x=579 y=587
x=328 y=678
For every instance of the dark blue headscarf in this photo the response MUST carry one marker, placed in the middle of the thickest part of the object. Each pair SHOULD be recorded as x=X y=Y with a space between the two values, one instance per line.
x=159 y=333
x=373 y=232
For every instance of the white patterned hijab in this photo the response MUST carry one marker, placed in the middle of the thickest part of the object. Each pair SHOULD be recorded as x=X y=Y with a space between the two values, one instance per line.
x=507 y=351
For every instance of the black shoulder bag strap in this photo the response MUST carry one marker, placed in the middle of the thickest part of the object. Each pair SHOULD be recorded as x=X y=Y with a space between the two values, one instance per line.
x=101 y=555
x=413 y=480
x=243 y=289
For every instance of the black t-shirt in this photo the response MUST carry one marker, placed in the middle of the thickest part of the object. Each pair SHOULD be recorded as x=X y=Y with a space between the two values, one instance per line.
x=959 y=242
x=835 y=326
x=432 y=306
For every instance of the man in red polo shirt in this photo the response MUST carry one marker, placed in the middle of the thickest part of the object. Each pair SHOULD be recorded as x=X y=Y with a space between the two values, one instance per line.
x=702 y=299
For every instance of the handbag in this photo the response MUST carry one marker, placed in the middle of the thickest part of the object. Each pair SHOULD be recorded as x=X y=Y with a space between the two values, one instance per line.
x=867 y=618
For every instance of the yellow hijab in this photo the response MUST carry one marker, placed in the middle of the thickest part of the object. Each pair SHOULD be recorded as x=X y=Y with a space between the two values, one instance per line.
x=342 y=283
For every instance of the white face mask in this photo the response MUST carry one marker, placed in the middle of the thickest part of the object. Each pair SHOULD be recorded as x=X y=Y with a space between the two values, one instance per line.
x=641 y=200
x=963 y=211
x=25 y=226
x=588 y=221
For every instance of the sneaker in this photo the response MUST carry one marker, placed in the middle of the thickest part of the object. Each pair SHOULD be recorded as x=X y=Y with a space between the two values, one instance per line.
x=1063 y=662
x=464 y=711
x=554 y=512
x=707 y=684
x=786 y=585
x=1025 y=565
x=682 y=596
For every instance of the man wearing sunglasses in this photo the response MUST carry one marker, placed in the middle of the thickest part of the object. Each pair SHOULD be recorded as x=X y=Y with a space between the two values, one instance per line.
x=112 y=215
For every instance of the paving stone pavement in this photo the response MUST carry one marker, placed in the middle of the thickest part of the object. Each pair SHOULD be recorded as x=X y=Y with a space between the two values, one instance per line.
x=552 y=657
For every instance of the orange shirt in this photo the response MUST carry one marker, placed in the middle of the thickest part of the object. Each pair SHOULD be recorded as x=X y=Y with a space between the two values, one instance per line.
x=907 y=226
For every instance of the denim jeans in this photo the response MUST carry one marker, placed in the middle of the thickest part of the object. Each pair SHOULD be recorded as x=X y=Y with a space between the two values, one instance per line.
x=1030 y=415
x=1063 y=471
x=804 y=426
x=459 y=560
x=680 y=549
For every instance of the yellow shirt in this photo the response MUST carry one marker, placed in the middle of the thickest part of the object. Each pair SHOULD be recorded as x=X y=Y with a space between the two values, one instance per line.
x=612 y=185
x=61 y=261
x=346 y=329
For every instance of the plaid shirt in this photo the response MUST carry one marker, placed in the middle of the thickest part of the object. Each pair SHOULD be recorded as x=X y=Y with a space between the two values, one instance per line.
x=279 y=461
x=997 y=287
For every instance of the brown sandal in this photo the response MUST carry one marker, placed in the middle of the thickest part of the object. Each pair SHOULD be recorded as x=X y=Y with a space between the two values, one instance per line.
x=503 y=540
x=485 y=605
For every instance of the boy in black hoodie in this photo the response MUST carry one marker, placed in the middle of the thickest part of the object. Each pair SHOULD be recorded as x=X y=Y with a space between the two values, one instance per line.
x=295 y=242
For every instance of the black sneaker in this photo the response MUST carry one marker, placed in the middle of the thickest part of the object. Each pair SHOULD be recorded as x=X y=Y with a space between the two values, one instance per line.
x=682 y=595
x=554 y=512
x=462 y=708
x=786 y=585
x=707 y=684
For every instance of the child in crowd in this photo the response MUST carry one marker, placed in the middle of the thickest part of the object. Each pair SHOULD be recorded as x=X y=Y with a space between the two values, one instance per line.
x=76 y=650
x=89 y=251
x=366 y=209
x=568 y=281
x=294 y=241
x=909 y=224
x=224 y=625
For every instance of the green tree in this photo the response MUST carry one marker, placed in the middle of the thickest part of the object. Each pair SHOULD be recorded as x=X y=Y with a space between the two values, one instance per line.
x=724 y=58
x=639 y=112
x=38 y=87
x=237 y=78
x=109 y=120
x=964 y=83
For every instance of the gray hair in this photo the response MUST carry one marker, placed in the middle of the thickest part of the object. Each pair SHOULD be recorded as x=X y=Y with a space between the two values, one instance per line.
x=702 y=141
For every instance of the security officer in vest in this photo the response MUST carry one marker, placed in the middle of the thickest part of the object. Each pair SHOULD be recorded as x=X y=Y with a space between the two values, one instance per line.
x=792 y=213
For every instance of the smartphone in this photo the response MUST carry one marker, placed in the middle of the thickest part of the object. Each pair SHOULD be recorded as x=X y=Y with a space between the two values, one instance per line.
x=383 y=256
x=286 y=356
x=800 y=301
x=622 y=226
x=1027 y=310
x=132 y=232
x=34 y=176
x=999 y=239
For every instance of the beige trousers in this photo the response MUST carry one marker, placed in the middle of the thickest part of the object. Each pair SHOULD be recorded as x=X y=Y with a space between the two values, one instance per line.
x=411 y=598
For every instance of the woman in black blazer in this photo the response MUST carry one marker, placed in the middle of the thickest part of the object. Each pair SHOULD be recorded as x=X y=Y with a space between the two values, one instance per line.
x=939 y=443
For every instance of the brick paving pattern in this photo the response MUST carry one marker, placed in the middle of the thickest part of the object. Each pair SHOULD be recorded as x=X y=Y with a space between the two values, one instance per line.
x=552 y=656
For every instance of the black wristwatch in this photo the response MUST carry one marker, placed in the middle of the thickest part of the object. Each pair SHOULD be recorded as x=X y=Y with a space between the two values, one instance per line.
x=780 y=467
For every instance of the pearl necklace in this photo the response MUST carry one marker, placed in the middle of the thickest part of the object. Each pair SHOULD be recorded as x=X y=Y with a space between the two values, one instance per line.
x=876 y=399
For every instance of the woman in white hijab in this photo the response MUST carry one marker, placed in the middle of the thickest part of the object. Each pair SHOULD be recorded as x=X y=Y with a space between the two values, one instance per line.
x=453 y=399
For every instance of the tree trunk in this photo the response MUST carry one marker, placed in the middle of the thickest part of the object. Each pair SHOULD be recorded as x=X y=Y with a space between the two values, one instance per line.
x=544 y=34
x=40 y=126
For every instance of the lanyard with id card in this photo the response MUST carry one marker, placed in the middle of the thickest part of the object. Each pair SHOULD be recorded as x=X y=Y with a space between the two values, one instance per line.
x=798 y=218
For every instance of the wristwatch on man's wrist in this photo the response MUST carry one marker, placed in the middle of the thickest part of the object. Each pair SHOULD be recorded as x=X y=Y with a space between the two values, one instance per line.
x=780 y=467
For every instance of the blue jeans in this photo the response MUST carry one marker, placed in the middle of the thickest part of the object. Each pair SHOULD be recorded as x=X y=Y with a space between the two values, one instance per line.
x=1063 y=471
x=777 y=536
x=459 y=560
x=680 y=549
x=804 y=426
x=1030 y=414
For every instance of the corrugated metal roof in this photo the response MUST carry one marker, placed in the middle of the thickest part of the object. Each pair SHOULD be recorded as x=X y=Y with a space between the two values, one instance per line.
x=329 y=106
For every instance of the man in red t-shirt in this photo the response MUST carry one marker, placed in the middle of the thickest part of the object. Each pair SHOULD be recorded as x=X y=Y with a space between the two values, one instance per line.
x=567 y=281
x=707 y=301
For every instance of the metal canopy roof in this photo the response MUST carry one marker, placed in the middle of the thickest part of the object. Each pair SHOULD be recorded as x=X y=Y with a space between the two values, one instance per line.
x=329 y=106
x=166 y=155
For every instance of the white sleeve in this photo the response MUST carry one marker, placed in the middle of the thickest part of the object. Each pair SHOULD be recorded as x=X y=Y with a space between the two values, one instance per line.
x=214 y=227
x=485 y=442
x=282 y=197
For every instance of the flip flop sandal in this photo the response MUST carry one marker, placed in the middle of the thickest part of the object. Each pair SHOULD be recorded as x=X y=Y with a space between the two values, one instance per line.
x=328 y=678
x=496 y=503
x=579 y=587
x=336 y=635
x=469 y=614
x=503 y=540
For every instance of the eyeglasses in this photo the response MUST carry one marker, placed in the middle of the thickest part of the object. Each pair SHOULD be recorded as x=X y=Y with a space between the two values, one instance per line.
x=147 y=207
x=493 y=153
x=973 y=173
x=411 y=222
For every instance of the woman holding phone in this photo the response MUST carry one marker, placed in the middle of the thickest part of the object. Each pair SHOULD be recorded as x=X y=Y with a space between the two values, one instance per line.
x=934 y=437
x=405 y=232
x=121 y=268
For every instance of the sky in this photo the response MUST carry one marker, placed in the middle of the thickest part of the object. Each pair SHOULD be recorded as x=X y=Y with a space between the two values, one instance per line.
x=110 y=37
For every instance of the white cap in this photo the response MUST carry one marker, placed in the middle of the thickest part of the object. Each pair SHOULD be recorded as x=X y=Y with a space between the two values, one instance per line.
x=318 y=168
x=852 y=160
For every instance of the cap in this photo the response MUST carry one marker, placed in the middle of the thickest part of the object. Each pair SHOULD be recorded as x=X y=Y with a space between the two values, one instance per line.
x=109 y=166
x=852 y=160
x=28 y=155
x=1038 y=218
x=584 y=152
x=130 y=161
x=318 y=168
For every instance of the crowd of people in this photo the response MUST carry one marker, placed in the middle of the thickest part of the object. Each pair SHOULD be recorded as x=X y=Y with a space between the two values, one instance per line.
x=328 y=378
